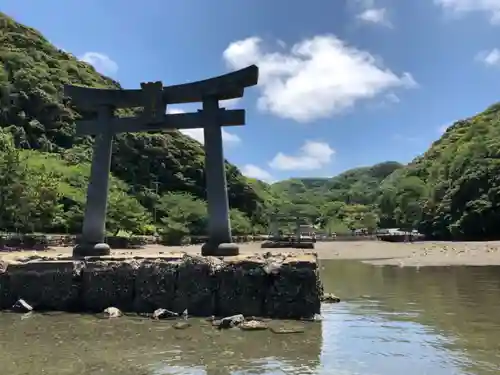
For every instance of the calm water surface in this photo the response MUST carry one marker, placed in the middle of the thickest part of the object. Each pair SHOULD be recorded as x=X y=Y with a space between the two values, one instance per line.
x=393 y=321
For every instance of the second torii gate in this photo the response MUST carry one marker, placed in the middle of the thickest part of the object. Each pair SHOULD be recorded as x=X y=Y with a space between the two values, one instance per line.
x=153 y=97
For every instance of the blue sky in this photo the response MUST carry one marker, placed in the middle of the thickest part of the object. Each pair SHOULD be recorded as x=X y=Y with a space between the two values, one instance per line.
x=343 y=83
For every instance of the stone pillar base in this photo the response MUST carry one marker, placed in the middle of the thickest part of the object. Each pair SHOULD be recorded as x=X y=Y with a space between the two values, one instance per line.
x=223 y=249
x=91 y=249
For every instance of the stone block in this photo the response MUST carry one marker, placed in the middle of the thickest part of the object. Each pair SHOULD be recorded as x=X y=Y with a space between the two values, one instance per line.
x=283 y=285
x=45 y=285
x=241 y=287
x=108 y=283
x=195 y=286
x=295 y=291
x=155 y=285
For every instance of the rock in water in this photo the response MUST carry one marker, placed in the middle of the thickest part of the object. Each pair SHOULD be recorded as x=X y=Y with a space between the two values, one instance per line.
x=22 y=306
x=229 y=321
x=185 y=314
x=160 y=314
x=314 y=318
x=253 y=325
x=112 y=312
x=330 y=298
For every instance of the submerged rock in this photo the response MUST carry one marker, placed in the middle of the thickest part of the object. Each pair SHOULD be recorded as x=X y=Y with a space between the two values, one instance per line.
x=286 y=330
x=27 y=315
x=161 y=314
x=22 y=306
x=329 y=298
x=253 y=325
x=112 y=312
x=181 y=325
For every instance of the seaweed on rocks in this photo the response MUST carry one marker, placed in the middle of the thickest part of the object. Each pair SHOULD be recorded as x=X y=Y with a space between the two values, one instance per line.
x=241 y=287
x=195 y=286
x=274 y=285
x=109 y=283
x=5 y=299
x=295 y=291
x=46 y=285
x=155 y=285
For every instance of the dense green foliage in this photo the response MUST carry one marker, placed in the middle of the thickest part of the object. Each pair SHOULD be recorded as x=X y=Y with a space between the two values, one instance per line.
x=453 y=190
x=49 y=165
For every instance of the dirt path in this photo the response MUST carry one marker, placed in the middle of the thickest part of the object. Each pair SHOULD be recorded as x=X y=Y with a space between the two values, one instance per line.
x=374 y=252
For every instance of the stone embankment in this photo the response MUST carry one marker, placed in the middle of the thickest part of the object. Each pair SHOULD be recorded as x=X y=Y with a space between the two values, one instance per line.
x=282 y=286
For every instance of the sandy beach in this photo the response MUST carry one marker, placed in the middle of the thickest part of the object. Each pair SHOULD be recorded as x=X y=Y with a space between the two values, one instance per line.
x=374 y=252
x=414 y=254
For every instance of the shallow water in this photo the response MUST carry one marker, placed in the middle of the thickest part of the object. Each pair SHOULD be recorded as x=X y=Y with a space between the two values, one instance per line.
x=393 y=321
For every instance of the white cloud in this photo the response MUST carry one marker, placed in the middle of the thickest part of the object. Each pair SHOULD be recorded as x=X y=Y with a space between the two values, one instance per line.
x=101 y=62
x=377 y=16
x=316 y=78
x=254 y=171
x=460 y=7
x=368 y=12
x=312 y=155
x=393 y=98
x=489 y=58
x=197 y=134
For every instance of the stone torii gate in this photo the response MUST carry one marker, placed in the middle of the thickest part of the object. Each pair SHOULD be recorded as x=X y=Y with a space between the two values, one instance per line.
x=154 y=98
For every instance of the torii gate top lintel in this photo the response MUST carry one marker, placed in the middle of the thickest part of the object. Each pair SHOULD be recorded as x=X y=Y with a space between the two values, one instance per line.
x=227 y=86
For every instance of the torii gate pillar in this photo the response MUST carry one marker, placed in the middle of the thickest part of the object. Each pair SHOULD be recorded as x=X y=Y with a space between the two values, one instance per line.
x=219 y=226
x=94 y=222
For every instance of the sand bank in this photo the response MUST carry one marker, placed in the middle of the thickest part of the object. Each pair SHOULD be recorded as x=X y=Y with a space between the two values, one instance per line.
x=414 y=254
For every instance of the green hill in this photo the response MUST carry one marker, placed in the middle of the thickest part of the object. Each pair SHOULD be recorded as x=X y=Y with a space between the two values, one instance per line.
x=342 y=202
x=35 y=117
x=453 y=189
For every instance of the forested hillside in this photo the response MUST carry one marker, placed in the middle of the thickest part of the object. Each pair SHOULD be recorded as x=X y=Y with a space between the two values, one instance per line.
x=453 y=189
x=37 y=120
x=339 y=204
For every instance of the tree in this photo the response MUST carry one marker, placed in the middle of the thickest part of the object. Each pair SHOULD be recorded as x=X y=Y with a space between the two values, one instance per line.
x=126 y=213
x=370 y=221
x=240 y=225
x=181 y=214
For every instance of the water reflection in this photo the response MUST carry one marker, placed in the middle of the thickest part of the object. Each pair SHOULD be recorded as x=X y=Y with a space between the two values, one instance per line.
x=438 y=321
